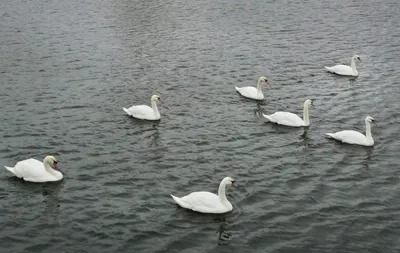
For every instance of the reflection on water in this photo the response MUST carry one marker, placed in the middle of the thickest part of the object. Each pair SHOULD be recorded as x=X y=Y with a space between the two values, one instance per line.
x=224 y=236
x=304 y=137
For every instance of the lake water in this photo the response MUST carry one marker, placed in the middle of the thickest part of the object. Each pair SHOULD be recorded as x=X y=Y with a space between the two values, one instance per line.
x=68 y=67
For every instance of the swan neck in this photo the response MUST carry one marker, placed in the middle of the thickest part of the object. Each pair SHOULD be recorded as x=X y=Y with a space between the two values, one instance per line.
x=154 y=106
x=368 y=131
x=259 y=85
x=49 y=169
x=353 y=64
x=221 y=192
x=306 y=116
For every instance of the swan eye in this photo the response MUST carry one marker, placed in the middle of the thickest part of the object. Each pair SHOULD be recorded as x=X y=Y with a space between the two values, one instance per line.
x=233 y=181
x=55 y=162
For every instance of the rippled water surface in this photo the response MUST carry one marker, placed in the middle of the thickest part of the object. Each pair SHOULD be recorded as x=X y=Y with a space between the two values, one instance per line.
x=68 y=67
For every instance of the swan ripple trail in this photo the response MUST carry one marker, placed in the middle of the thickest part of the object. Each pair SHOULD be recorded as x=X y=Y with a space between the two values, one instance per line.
x=68 y=67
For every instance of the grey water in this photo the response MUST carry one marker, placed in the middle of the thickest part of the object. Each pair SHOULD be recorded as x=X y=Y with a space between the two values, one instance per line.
x=68 y=67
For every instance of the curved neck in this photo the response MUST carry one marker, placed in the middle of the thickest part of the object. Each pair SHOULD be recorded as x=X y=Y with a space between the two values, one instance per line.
x=368 y=131
x=306 y=117
x=221 y=192
x=154 y=106
x=49 y=169
x=353 y=64
x=259 y=85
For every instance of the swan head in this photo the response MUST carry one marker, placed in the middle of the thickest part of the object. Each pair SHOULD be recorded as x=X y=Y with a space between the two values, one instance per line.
x=369 y=119
x=263 y=79
x=356 y=57
x=51 y=160
x=156 y=98
x=309 y=102
x=231 y=181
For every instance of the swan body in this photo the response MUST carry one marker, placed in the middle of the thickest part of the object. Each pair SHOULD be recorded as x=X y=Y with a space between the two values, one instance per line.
x=207 y=202
x=33 y=170
x=291 y=119
x=345 y=70
x=252 y=92
x=144 y=111
x=354 y=137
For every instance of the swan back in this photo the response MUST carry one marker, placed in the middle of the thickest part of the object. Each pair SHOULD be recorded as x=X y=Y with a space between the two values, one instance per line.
x=252 y=92
x=291 y=119
x=33 y=170
x=144 y=111
x=207 y=202
x=350 y=137
x=354 y=137
x=345 y=70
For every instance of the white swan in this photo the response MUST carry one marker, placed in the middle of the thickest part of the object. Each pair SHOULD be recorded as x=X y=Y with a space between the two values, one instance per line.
x=207 y=202
x=345 y=70
x=252 y=92
x=144 y=111
x=354 y=137
x=291 y=119
x=33 y=170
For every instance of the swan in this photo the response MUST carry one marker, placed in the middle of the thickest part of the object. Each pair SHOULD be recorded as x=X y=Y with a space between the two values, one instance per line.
x=291 y=119
x=354 y=137
x=207 y=202
x=252 y=92
x=32 y=170
x=144 y=111
x=345 y=70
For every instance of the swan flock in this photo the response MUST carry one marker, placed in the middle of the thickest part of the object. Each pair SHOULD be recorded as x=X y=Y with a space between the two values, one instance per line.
x=32 y=170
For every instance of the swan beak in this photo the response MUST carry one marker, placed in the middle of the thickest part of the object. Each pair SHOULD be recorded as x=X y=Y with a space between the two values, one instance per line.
x=374 y=122
x=161 y=100
x=55 y=164
x=234 y=185
x=266 y=82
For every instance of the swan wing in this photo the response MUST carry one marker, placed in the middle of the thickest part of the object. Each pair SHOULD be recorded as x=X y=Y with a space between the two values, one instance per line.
x=349 y=136
x=204 y=202
x=140 y=111
x=249 y=92
x=33 y=170
x=30 y=168
x=341 y=70
x=285 y=118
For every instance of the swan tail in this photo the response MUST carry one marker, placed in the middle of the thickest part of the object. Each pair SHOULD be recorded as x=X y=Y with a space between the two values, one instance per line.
x=330 y=135
x=12 y=170
x=268 y=117
x=127 y=111
x=237 y=88
x=180 y=202
x=329 y=69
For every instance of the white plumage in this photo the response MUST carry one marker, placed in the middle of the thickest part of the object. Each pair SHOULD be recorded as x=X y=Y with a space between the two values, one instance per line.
x=291 y=119
x=345 y=70
x=33 y=170
x=144 y=111
x=207 y=202
x=252 y=92
x=354 y=137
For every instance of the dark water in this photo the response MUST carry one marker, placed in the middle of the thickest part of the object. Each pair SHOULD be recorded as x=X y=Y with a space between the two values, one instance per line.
x=68 y=67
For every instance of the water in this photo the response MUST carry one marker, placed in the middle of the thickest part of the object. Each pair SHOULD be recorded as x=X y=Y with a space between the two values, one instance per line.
x=68 y=67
